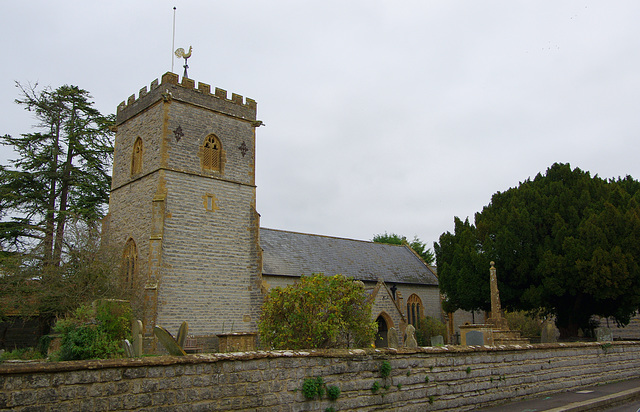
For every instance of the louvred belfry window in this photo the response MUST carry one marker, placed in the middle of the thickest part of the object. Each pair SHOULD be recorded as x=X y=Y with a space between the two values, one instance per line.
x=211 y=153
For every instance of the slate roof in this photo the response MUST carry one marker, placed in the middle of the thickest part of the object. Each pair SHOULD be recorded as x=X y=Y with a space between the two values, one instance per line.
x=294 y=254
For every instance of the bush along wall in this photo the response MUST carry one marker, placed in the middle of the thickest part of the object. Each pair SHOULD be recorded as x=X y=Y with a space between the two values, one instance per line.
x=94 y=331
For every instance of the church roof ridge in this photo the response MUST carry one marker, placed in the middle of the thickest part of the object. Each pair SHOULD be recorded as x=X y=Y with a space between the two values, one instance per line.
x=324 y=236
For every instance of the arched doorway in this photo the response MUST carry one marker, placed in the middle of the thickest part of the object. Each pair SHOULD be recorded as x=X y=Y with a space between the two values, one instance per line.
x=381 y=337
x=384 y=324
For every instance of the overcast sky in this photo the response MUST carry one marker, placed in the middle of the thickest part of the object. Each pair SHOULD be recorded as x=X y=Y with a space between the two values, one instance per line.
x=380 y=116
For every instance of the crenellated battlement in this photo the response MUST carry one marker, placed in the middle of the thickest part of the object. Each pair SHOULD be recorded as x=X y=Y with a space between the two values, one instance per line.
x=170 y=81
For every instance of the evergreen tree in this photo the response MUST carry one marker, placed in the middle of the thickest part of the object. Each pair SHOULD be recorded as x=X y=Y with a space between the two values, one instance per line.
x=61 y=172
x=52 y=198
x=465 y=284
x=564 y=243
x=416 y=244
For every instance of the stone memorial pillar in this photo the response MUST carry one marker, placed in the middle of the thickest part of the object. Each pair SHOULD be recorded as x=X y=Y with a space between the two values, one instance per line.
x=496 y=310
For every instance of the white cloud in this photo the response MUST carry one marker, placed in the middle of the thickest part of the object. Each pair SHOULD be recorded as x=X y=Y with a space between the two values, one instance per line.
x=380 y=116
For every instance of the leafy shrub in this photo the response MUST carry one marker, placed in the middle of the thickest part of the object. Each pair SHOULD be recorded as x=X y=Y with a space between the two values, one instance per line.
x=114 y=317
x=94 y=332
x=21 y=354
x=385 y=369
x=313 y=388
x=427 y=328
x=317 y=312
x=525 y=323
x=375 y=387
x=333 y=392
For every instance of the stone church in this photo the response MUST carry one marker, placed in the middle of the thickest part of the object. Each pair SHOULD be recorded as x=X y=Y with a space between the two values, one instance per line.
x=182 y=214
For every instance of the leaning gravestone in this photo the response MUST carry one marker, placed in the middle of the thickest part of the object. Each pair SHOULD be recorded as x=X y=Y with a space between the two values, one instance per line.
x=437 y=340
x=604 y=334
x=128 y=349
x=475 y=338
x=392 y=338
x=549 y=332
x=168 y=341
x=411 y=342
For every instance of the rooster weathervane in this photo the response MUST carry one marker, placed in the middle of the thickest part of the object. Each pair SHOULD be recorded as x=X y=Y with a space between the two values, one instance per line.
x=181 y=54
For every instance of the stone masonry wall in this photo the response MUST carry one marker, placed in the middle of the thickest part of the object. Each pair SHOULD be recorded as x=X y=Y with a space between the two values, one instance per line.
x=148 y=127
x=432 y=379
x=384 y=303
x=210 y=258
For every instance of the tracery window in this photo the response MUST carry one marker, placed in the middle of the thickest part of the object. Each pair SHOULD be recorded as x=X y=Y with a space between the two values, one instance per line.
x=136 y=158
x=211 y=153
x=129 y=262
x=414 y=310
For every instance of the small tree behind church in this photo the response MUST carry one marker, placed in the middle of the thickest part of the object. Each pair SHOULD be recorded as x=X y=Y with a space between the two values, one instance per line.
x=317 y=312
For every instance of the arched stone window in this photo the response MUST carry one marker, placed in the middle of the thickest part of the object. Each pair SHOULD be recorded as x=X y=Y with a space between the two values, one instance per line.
x=129 y=263
x=414 y=310
x=136 y=158
x=211 y=153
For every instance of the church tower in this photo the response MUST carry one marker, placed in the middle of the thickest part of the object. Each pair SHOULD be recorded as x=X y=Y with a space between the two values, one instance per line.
x=183 y=208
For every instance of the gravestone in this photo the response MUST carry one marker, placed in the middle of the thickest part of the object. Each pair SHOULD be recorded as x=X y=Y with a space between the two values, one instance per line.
x=474 y=338
x=410 y=341
x=136 y=338
x=168 y=341
x=128 y=349
x=604 y=334
x=182 y=333
x=549 y=332
x=392 y=338
x=437 y=340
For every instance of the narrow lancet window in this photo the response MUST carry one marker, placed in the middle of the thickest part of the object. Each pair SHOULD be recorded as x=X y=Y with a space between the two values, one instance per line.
x=129 y=263
x=136 y=158
x=414 y=310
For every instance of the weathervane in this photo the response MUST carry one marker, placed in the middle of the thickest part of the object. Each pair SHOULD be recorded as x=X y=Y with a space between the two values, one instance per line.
x=180 y=53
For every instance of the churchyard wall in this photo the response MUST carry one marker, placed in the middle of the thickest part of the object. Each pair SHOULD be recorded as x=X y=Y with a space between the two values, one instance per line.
x=449 y=378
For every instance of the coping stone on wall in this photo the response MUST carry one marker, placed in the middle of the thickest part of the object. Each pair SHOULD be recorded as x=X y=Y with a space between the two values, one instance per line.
x=31 y=367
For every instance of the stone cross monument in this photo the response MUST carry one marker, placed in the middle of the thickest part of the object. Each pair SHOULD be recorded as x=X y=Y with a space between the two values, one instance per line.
x=496 y=330
x=496 y=311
